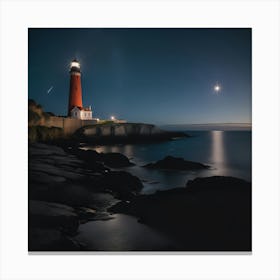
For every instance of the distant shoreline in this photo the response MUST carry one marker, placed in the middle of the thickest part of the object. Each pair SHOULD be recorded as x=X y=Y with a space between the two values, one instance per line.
x=210 y=126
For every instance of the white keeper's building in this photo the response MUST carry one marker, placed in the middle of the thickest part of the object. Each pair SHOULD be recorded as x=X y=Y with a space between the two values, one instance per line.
x=84 y=113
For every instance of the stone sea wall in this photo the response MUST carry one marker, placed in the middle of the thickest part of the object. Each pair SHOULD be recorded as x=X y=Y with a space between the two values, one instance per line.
x=90 y=128
x=120 y=130
x=68 y=125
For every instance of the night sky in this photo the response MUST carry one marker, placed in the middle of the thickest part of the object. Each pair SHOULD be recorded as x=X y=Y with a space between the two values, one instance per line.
x=161 y=76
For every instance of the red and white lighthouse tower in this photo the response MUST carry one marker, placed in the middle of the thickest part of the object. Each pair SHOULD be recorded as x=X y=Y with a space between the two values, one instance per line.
x=75 y=104
x=75 y=94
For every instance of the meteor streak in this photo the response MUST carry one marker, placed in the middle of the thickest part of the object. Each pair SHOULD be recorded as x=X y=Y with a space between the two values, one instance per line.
x=49 y=90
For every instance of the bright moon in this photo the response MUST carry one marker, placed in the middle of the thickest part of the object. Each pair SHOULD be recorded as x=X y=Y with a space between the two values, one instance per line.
x=217 y=88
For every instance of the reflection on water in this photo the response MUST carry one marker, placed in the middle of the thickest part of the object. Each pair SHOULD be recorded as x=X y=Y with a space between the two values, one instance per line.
x=107 y=149
x=122 y=233
x=227 y=152
x=217 y=151
x=124 y=149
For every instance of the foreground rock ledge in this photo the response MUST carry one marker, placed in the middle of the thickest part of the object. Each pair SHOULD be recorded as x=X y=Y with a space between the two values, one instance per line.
x=51 y=226
x=65 y=190
x=210 y=214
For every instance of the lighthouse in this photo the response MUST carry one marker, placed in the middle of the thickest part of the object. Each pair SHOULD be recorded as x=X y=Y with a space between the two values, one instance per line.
x=75 y=104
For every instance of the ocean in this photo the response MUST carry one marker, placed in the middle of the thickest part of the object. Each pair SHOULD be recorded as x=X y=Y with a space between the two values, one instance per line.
x=228 y=153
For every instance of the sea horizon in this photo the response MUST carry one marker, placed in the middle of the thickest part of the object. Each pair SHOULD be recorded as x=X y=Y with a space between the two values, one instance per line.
x=209 y=126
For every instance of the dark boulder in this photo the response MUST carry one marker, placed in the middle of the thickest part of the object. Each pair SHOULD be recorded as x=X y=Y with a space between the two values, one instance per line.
x=218 y=183
x=116 y=160
x=123 y=184
x=91 y=159
x=97 y=160
x=176 y=163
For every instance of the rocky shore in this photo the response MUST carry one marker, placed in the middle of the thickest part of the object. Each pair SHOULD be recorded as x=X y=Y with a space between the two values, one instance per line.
x=69 y=186
x=66 y=189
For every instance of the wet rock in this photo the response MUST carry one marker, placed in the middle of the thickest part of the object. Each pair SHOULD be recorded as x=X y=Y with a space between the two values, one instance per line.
x=44 y=149
x=90 y=159
x=210 y=214
x=52 y=215
x=86 y=213
x=60 y=177
x=50 y=165
x=176 y=163
x=66 y=189
x=123 y=184
x=94 y=158
x=57 y=170
x=115 y=160
x=51 y=226
x=45 y=239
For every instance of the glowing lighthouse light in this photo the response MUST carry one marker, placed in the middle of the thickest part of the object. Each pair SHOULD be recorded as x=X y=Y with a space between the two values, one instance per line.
x=75 y=64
